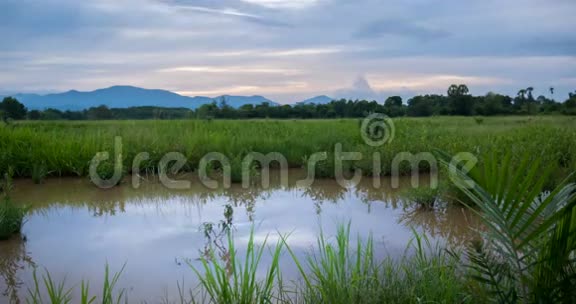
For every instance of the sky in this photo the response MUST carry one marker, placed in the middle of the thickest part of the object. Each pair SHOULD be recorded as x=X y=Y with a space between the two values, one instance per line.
x=289 y=50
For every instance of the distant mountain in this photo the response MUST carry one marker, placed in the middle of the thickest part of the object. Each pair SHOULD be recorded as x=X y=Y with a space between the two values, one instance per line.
x=238 y=101
x=128 y=96
x=322 y=99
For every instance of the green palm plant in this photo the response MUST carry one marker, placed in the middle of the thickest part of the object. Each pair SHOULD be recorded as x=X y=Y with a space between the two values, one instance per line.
x=527 y=250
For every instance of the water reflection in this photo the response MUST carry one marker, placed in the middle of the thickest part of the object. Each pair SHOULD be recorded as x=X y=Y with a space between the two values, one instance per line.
x=453 y=224
x=13 y=258
x=74 y=228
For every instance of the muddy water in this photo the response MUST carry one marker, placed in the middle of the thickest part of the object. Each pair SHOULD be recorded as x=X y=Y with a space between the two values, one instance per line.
x=74 y=228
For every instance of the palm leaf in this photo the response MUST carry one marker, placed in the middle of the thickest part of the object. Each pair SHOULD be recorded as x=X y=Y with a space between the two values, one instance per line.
x=530 y=234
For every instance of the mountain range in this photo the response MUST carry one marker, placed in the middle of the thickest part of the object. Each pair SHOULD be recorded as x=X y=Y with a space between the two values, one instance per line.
x=129 y=96
x=322 y=99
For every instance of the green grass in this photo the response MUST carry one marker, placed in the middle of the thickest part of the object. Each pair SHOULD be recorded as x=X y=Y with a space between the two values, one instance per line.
x=334 y=272
x=342 y=272
x=229 y=279
x=425 y=197
x=48 y=291
x=11 y=219
x=37 y=149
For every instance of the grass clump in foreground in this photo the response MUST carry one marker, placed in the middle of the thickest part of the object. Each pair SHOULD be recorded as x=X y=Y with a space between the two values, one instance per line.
x=226 y=279
x=343 y=273
x=11 y=219
x=48 y=290
x=336 y=272
x=11 y=215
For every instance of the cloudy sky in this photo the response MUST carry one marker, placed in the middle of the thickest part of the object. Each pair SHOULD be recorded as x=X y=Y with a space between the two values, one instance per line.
x=288 y=50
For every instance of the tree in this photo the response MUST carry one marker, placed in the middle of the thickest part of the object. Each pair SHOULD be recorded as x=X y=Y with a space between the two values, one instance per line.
x=463 y=90
x=51 y=114
x=393 y=106
x=453 y=90
x=493 y=104
x=521 y=94
x=100 y=112
x=34 y=115
x=460 y=102
x=529 y=92
x=393 y=101
x=419 y=106
x=570 y=104
x=458 y=90
x=12 y=108
x=552 y=92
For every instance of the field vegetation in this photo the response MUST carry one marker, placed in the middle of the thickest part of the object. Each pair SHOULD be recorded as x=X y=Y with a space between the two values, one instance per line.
x=521 y=190
x=40 y=149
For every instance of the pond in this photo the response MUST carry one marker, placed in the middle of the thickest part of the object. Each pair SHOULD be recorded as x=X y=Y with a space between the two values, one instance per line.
x=74 y=228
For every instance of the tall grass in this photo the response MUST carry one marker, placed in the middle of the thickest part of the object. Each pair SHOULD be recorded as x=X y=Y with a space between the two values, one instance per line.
x=336 y=271
x=66 y=148
x=228 y=279
x=47 y=290
x=11 y=219
x=11 y=215
x=346 y=273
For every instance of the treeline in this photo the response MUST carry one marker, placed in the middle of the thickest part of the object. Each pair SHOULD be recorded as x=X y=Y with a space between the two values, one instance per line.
x=458 y=101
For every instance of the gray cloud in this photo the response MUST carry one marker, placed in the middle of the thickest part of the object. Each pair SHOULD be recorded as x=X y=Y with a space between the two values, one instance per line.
x=495 y=45
x=401 y=28
x=208 y=7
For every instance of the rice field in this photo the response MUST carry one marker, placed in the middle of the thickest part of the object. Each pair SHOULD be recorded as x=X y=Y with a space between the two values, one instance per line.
x=511 y=150
x=41 y=149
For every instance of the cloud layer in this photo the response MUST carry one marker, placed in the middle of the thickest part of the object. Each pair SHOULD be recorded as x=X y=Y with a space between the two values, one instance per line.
x=288 y=49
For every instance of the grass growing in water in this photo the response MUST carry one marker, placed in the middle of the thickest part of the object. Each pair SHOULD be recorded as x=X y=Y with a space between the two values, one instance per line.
x=342 y=273
x=47 y=290
x=226 y=279
x=425 y=197
x=11 y=219
x=11 y=215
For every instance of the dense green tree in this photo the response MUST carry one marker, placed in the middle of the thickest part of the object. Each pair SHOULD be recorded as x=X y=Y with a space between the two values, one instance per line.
x=547 y=105
x=51 y=114
x=34 y=115
x=570 y=104
x=420 y=106
x=207 y=111
x=12 y=108
x=100 y=112
x=461 y=102
x=493 y=104
x=394 y=107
